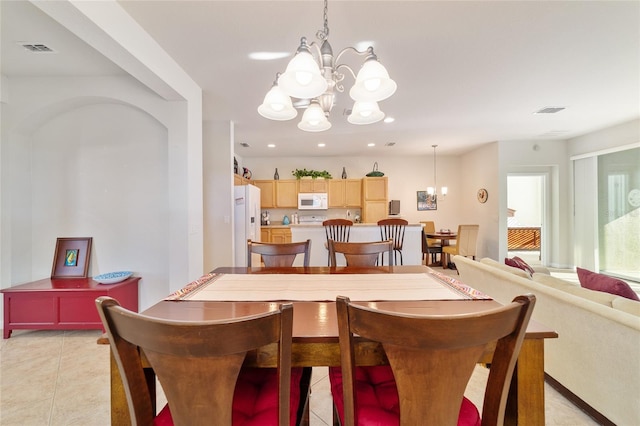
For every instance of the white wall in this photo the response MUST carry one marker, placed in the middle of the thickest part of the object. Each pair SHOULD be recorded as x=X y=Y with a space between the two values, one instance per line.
x=96 y=157
x=479 y=169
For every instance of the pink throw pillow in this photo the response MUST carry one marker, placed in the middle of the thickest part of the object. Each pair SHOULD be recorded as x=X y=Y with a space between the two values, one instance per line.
x=517 y=262
x=600 y=282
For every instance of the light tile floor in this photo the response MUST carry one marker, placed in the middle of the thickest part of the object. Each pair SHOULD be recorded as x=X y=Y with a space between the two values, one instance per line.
x=62 y=378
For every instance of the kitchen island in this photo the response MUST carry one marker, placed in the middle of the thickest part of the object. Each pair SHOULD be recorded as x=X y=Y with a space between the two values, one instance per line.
x=360 y=232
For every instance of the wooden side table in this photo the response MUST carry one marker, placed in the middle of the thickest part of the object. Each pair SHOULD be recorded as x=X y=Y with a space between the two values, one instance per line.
x=62 y=304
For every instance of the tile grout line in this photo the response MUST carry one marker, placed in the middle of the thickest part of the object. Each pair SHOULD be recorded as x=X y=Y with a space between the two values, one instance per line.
x=55 y=388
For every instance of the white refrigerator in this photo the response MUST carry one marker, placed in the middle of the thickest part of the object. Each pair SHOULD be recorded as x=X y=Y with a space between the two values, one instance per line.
x=246 y=222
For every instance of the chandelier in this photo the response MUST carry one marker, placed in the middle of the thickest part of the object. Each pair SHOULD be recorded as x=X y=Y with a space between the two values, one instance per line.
x=314 y=80
x=431 y=191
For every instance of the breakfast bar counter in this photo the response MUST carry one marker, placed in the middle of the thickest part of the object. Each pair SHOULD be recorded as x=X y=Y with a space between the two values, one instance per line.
x=360 y=232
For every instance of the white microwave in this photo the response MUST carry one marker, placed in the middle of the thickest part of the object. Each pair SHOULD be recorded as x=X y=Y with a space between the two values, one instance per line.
x=312 y=201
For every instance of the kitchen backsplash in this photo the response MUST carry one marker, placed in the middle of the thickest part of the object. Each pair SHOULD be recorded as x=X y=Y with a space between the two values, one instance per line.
x=276 y=215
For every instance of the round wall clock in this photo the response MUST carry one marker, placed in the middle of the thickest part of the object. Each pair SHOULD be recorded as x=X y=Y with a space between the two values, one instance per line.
x=634 y=197
x=483 y=195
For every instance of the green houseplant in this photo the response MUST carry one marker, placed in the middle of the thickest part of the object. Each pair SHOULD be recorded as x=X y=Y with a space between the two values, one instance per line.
x=314 y=174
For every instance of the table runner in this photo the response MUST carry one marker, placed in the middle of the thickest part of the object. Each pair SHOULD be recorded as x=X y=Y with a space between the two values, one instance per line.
x=325 y=287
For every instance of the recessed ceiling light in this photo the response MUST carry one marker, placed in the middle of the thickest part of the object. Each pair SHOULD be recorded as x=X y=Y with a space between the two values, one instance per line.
x=271 y=145
x=321 y=145
x=268 y=56
x=389 y=120
x=371 y=144
x=549 y=110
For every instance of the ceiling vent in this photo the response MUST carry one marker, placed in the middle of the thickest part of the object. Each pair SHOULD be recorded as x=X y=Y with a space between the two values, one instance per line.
x=549 y=110
x=36 y=47
x=245 y=145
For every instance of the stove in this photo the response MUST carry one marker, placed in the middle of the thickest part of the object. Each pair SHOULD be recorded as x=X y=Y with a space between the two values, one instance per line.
x=311 y=219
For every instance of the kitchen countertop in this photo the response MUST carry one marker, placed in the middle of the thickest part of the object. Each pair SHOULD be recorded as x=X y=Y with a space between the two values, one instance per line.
x=306 y=225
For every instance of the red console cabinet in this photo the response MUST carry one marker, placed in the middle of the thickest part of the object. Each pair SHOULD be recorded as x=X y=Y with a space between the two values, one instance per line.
x=62 y=304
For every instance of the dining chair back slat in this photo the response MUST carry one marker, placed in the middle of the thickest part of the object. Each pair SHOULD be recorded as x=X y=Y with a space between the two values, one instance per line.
x=336 y=230
x=278 y=255
x=361 y=254
x=196 y=362
x=433 y=358
x=393 y=229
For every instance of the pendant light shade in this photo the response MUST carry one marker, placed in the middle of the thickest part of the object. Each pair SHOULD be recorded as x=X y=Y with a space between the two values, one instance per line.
x=277 y=105
x=314 y=119
x=302 y=78
x=365 y=113
x=372 y=82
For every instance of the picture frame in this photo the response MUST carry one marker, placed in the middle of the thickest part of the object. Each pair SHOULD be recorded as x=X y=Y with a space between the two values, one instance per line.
x=426 y=202
x=71 y=257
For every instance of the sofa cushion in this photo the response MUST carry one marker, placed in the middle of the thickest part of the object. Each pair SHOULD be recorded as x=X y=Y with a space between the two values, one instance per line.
x=517 y=262
x=626 y=305
x=605 y=283
x=516 y=271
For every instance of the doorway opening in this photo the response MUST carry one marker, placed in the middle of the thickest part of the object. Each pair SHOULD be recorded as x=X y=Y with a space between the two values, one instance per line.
x=526 y=216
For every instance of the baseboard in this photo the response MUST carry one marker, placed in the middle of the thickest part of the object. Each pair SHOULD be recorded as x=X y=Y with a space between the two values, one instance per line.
x=578 y=402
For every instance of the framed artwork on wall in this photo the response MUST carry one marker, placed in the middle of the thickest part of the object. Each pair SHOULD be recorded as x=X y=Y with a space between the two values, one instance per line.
x=71 y=258
x=426 y=202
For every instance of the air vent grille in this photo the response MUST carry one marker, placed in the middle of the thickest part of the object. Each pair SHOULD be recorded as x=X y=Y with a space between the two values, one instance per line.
x=245 y=145
x=37 y=47
x=390 y=144
x=549 y=110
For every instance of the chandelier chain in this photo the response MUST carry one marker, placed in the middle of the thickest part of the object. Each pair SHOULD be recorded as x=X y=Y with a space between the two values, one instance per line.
x=323 y=34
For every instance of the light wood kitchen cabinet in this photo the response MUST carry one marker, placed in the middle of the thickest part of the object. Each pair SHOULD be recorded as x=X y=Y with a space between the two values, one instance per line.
x=286 y=193
x=375 y=203
x=345 y=193
x=267 y=193
x=239 y=180
x=280 y=235
x=275 y=235
x=313 y=185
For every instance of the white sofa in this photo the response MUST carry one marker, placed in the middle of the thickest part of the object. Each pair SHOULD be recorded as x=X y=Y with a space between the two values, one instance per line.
x=597 y=353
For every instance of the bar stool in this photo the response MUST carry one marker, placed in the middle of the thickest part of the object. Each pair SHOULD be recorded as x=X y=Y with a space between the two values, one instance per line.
x=336 y=230
x=393 y=229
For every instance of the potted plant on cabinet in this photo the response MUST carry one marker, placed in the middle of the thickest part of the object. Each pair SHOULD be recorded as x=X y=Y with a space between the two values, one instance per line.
x=313 y=174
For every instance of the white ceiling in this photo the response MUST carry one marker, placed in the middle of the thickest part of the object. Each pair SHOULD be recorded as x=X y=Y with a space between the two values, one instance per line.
x=468 y=73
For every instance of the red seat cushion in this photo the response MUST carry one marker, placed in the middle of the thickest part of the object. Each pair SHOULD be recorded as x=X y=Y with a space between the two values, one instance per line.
x=517 y=262
x=378 y=401
x=600 y=282
x=255 y=401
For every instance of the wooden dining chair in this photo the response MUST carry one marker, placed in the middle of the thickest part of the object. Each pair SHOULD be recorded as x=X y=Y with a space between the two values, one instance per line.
x=393 y=229
x=336 y=230
x=430 y=246
x=199 y=365
x=277 y=255
x=466 y=242
x=361 y=254
x=431 y=359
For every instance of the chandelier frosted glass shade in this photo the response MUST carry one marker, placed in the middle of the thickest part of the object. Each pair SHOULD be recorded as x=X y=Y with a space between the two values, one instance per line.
x=372 y=82
x=314 y=119
x=314 y=77
x=302 y=78
x=365 y=113
x=277 y=105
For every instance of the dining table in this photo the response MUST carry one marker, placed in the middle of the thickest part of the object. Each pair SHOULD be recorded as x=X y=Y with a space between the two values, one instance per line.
x=315 y=328
x=444 y=238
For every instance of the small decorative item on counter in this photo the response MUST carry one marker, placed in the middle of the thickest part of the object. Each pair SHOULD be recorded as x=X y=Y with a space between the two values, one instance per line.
x=285 y=220
x=276 y=176
x=235 y=165
x=265 y=218
x=375 y=172
x=344 y=173
x=246 y=173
